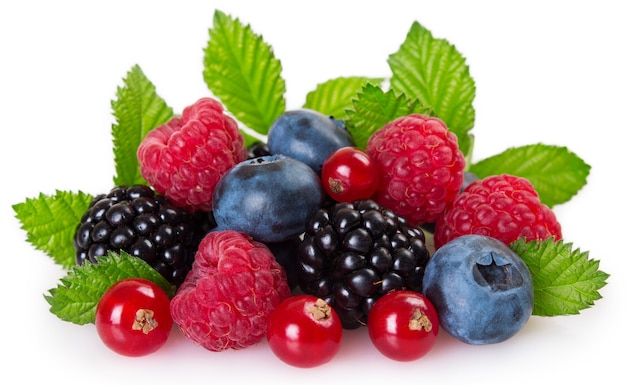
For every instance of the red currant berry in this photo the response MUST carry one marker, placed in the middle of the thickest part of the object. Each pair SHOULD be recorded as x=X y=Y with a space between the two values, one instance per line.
x=349 y=174
x=304 y=331
x=403 y=325
x=133 y=317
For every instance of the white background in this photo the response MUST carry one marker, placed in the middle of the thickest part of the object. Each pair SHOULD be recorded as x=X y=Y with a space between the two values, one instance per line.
x=551 y=72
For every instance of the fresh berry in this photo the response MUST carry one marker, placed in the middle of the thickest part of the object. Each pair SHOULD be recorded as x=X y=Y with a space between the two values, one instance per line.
x=307 y=136
x=286 y=253
x=468 y=177
x=505 y=207
x=354 y=253
x=258 y=149
x=482 y=290
x=420 y=167
x=403 y=325
x=133 y=317
x=227 y=297
x=268 y=198
x=349 y=174
x=146 y=225
x=304 y=331
x=184 y=158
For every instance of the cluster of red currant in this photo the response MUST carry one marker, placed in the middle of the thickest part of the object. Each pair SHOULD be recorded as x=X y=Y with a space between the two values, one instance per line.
x=305 y=332
x=133 y=319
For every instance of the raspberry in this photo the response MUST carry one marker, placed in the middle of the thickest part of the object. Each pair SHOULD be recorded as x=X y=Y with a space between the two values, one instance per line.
x=226 y=299
x=354 y=253
x=184 y=158
x=420 y=165
x=505 y=207
x=145 y=225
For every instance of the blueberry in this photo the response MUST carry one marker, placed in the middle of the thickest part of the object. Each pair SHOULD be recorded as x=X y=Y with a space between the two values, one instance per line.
x=481 y=289
x=269 y=198
x=308 y=136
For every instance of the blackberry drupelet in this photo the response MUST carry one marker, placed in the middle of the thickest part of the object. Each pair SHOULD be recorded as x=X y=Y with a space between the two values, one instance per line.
x=145 y=225
x=354 y=253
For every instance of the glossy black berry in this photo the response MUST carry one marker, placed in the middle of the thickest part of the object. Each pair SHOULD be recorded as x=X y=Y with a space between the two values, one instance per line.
x=354 y=253
x=286 y=253
x=145 y=225
x=258 y=149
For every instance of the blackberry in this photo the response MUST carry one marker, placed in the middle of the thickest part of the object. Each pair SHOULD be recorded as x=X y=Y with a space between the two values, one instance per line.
x=285 y=253
x=257 y=149
x=354 y=253
x=144 y=224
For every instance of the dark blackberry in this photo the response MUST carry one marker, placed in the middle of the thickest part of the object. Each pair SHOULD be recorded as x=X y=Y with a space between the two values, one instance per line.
x=144 y=224
x=285 y=253
x=258 y=149
x=354 y=253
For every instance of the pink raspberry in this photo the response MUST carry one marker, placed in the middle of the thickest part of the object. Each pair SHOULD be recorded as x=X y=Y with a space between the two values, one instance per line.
x=227 y=297
x=505 y=207
x=184 y=158
x=420 y=165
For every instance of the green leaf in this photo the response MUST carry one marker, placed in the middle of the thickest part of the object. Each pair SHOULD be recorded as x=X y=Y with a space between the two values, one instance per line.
x=433 y=71
x=50 y=223
x=241 y=70
x=373 y=108
x=75 y=299
x=137 y=109
x=565 y=281
x=556 y=173
x=334 y=96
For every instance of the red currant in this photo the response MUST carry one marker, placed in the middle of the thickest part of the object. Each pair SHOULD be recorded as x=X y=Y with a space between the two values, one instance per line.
x=349 y=174
x=133 y=317
x=304 y=331
x=403 y=325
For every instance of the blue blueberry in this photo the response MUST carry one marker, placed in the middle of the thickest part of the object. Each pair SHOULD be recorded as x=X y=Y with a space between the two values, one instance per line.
x=482 y=290
x=308 y=136
x=268 y=198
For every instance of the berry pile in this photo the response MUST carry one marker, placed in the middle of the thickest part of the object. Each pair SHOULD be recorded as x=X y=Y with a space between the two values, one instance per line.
x=318 y=229
x=332 y=233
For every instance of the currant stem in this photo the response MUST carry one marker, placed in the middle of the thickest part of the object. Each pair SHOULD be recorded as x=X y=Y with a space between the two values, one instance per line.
x=144 y=321
x=335 y=185
x=319 y=310
x=420 y=321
